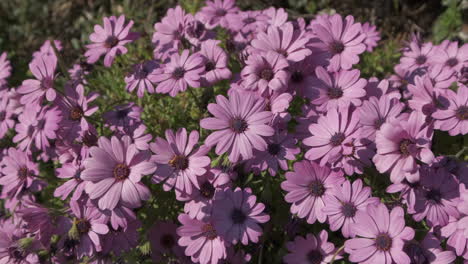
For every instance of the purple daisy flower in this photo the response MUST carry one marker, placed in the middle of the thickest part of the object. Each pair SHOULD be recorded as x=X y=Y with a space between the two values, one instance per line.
x=169 y=30
x=265 y=73
x=179 y=161
x=33 y=91
x=454 y=119
x=311 y=249
x=110 y=40
x=330 y=90
x=78 y=72
x=236 y=215
x=343 y=38
x=216 y=61
x=163 y=239
x=6 y=115
x=372 y=36
x=344 y=203
x=123 y=117
x=284 y=41
x=180 y=72
x=201 y=240
x=399 y=144
x=5 y=69
x=11 y=248
x=215 y=12
x=428 y=251
x=121 y=240
x=450 y=55
x=331 y=133
x=74 y=184
x=114 y=171
x=307 y=187
x=240 y=124
x=381 y=236
x=441 y=77
x=455 y=232
x=417 y=55
x=301 y=75
x=277 y=17
x=357 y=154
x=141 y=78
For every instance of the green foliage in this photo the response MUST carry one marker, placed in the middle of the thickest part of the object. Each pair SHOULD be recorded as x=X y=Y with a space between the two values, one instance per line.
x=448 y=24
x=380 y=62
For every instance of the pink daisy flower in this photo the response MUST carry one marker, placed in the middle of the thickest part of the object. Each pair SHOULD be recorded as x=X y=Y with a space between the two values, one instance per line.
x=400 y=143
x=311 y=249
x=180 y=72
x=343 y=38
x=345 y=202
x=114 y=172
x=450 y=55
x=141 y=78
x=163 y=239
x=455 y=233
x=265 y=73
x=441 y=77
x=123 y=117
x=330 y=90
x=110 y=41
x=381 y=236
x=277 y=16
x=121 y=240
x=240 y=124
x=11 y=249
x=7 y=121
x=74 y=184
x=169 y=30
x=372 y=36
x=284 y=41
x=454 y=119
x=179 y=161
x=301 y=75
x=236 y=216
x=201 y=240
x=5 y=69
x=330 y=134
x=216 y=12
x=33 y=91
x=307 y=187
x=417 y=55
x=216 y=61
x=428 y=251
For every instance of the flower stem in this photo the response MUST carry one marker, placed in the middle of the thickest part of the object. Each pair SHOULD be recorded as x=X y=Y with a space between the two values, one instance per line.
x=336 y=254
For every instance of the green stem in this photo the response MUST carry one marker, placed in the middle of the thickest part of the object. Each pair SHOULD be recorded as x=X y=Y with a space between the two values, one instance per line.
x=336 y=254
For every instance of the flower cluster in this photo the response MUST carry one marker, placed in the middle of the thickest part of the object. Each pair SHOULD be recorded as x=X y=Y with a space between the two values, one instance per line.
x=291 y=107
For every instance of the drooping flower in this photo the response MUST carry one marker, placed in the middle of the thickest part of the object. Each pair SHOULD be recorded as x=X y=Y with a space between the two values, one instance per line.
x=163 y=239
x=180 y=72
x=237 y=214
x=241 y=124
x=372 y=36
x=33 y=91
x=110 y=40
x=141 y=78
x=215 y=12
x=329 y=90
x=343 y=38
x=5 y=69
x=114 y=170
x=346 y=200
x=311 y=249
x=307 y=187
x=380 y=236
x=201 y=240
x=428 y=251
x=216 y=61
x=454 y=119
x=179 y=161
x=400 y=143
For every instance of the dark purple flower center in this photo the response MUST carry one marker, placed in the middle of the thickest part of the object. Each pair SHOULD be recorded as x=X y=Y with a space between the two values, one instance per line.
x=178 y=73
x=314 y=257
x=122 y=113
x=297 y=77
x=77 y=176
x=336 y=47
x=16 y=253
x=249 y=20
x=23 y=173
x=167 y=241
x=348 y=209
x=209 y=66
x=89 y=139
x=141 y=73
x=404 y=146
x=209 y=231
x=220 y=12
x=462 y=113
x=267 y=74
x=383 y=242
x=421 y=59
x=239 y=125
x=2 y=116
x=274 y=149
x=121 y=171
x=434 y=195
x=378 y=123
x=195 y=29
x=316 y=188
x=179 y=162
x=111 y=41
x=337 y=139
x=83 y=226
x=335 y=92
x=451 y=62
x=47 y=83
x=69 y=243
x=207 y=190
x=415 y=252
x=76 y=113
x=238 y=216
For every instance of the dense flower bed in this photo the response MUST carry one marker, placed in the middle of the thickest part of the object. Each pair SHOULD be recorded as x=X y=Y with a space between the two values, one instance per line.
x=350 y=158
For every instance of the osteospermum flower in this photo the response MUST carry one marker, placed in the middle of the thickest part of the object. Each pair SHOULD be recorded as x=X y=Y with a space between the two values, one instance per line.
x=11 y=248
x=454 y=119
x=330 y=134
x=110 y=40
x=400 y=143
x=169 y=30
x=201 y=240
x=428 y=251
x=179 y=161
x=180 y=72
x=381 y=236
x=346 y=200
x=216 y=61
x=216 y=12
x=311 y=249
x=372 y=36
x=6 y=116
x=284 y=41
x=307 y=187
x=455 y=233
x=33 y=91
x=121 y=240
x=240 y=124
x=417 y=55
x=123 y=117
x=163 y=239
x=236 y=216
x=449 y=54
x=74 y=184
x=265 y=73
x=343 y=38
x=114 y=170
x=340 y=88
x=5 y=69
x=141 y=78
